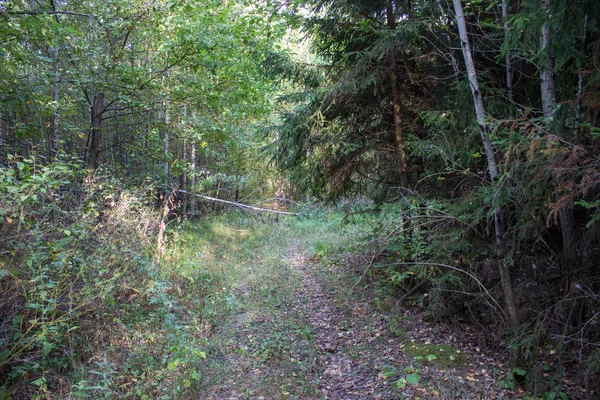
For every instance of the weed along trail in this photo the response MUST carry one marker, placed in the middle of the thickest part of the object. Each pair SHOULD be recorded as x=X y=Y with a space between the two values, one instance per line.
x=286 y=323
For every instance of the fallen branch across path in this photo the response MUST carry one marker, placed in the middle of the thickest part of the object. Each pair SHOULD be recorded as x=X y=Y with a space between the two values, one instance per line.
x=236 y=204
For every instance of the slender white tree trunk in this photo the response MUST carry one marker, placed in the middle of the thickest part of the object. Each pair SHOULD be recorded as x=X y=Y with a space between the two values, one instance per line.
x=504 y=270
x=184 y=179
x=548 y=86
x=167 y=140
x=2 y=133
x=55 y=98
x=167 y=106
x=193 y=167
x=549 y=102
x=507 y=56
x=476 y=92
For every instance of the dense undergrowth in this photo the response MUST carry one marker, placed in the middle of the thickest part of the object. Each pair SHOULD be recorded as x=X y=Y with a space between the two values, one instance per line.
x=87 y=310
x=436 y=255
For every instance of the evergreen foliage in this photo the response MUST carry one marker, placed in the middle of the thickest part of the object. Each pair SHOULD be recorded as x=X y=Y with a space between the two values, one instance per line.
x=341 y=143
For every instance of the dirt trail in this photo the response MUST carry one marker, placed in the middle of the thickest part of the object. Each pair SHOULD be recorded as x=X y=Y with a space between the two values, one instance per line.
x=308 y=343
x=342 y=376
x=359 y=357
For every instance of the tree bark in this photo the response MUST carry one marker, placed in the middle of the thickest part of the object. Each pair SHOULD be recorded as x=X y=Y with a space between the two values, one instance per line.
x=193 y=177
x=504 y=270
x=2 y=130
x=548 y=86
x=167 y=120
x=167 y=142
x=549 y=102
x=581 y=76
x=54 y=137
x=396 y=106
x=93 y=152
x=184 y=178
x=241 y=205
x=507 y=56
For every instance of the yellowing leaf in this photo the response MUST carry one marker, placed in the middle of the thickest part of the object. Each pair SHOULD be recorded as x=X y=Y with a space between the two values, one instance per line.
x=172 y=365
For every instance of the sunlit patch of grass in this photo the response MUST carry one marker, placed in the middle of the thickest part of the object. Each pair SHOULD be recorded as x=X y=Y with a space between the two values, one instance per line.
x=244 y=283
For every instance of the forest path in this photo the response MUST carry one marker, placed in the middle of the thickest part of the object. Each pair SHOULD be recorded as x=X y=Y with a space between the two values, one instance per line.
x=345 y=371
x=369 y=350
x=297 y=333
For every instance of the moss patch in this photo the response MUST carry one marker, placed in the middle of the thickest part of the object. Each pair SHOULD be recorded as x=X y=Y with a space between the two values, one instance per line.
x=440 y=354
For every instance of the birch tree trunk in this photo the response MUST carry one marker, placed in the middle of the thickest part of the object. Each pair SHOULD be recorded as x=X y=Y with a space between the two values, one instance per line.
x=475 y=91
x=54 y=138
x=507 y=56
x=193 y=177
x=184 y=178
x=167 y=141
x=549 y=102
x=504 y=270
x=2 y=130
x=548 y=86
x=167 y=105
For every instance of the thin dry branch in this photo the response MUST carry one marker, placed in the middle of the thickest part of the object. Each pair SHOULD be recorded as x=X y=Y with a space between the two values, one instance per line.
x=33 y=13
x=236 y=204
x=496 y=306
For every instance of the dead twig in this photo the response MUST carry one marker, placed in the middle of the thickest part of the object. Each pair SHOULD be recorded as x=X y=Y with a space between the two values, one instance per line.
x=236 y=204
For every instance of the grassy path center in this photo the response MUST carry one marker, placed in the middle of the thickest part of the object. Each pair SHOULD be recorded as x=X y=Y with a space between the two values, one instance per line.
x=281 y=323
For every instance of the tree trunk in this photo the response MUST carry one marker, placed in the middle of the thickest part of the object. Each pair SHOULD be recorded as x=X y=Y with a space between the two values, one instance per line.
x=54 y=138
x=2 y=131
x=184 y=179
x=399 y=134
x=167 y=140
x=548 y=86
x=504 y=270
x=93 y=152
x=549 y=101
x=167 y=202
x=507 y=56
x=581 y=76
x=193 y=177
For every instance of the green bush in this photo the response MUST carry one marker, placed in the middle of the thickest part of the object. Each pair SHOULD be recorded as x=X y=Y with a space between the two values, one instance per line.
x=69 y=253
